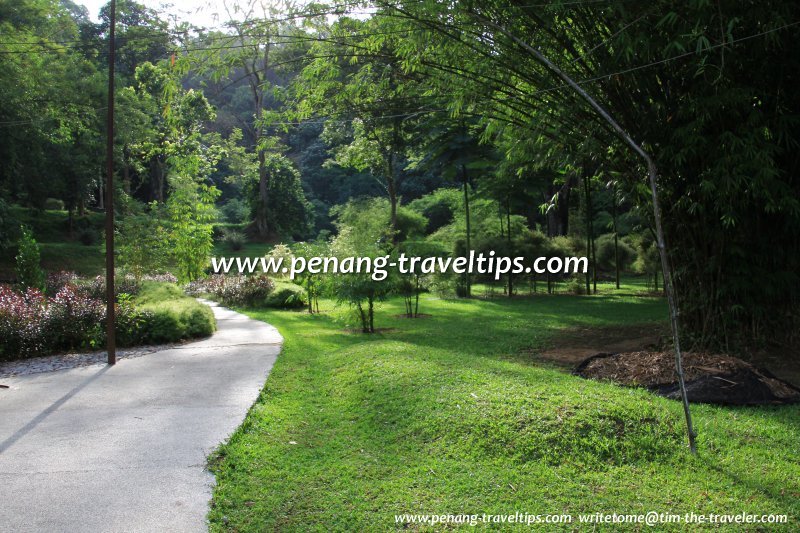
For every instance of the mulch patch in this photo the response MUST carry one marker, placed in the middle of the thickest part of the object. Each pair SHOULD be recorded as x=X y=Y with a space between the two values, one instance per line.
x=710 y=378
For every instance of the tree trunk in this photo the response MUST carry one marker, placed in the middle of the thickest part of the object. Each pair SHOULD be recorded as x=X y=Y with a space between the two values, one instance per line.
x=614 y=221
x=126 y=171
x=262 y=227
x=587 y=210
x=371 y=301
x=416 y=302
x=391 y=188
x=364 y=321
x=468 y=281
x=510 y=251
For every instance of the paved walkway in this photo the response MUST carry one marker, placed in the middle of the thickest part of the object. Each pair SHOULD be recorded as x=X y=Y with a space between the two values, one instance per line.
x=124 y=448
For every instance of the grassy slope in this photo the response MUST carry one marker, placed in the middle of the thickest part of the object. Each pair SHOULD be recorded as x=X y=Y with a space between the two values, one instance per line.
x=58 y=251
x=446 y=415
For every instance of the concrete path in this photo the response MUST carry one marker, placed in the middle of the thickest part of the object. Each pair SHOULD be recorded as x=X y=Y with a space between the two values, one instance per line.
x=124 y=448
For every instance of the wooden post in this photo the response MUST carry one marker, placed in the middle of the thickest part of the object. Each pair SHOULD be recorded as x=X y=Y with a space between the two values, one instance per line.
x=111 y=340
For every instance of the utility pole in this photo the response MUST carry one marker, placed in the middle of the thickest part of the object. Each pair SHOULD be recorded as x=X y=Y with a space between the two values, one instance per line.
x=110 y=313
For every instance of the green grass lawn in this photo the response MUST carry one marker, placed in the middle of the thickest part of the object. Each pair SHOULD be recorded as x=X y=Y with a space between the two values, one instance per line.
x=448 y=414
x=250 y=249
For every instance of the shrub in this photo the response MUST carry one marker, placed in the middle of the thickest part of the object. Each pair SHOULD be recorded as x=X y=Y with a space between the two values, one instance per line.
x=122 y=285
x=74 y=319
x=132 y=324
x=246 y=290
x=29 y=273
x=235 y=211
x=170 y=315
x=605 y=253
x=8 y=226
x=577 y=286
x=166 y=277
x=283 y=253
x=234 y=290
x=22 y=323
x=87 y=237
x=233 y=239
x=54 y=204
x=56 y=280
x=287 y=296
x=176 y=320
x=31 y=324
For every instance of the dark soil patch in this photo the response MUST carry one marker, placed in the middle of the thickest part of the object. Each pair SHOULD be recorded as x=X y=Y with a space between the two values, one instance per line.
x=574 y=345
x=710 y=378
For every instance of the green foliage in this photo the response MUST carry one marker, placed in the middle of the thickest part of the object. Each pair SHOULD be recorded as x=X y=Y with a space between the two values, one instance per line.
x=191 y=212
x=604 y=246
x=289 y=213
x=314 y=283
x=234 y=290
x=142 y=242
x=287 y=295
x=233 y=239
x=364 y=232
x=280 y=253
x=235 y=211
x=54 y=204
x=9 y=226
x=29 y=271
x=171 y=315
x=439 y=207
x=87 y=236
x=74 y=316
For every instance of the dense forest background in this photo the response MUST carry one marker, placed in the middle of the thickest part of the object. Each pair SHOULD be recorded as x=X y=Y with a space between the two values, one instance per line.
x=287 y=124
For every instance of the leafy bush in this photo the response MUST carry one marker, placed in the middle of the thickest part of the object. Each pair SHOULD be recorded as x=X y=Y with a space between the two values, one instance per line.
x=234 y=290
x=577 y=286
x=604 y=250
x=233 y=239
x=22 y=322
x=54 y=204
x=133 y=325
x=236 y=211
x=142 y=242
x=9 y=226
x=173 y=321
x=87 y=237
x=284 y=254
x=56 y=280
x=169 y=315
x=74 y=319
x=287 y=295
x=29 y=273
x=96 y=288
x=166 y=277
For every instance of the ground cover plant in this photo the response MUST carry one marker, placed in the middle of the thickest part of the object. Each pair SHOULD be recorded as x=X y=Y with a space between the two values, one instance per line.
x=455 y=414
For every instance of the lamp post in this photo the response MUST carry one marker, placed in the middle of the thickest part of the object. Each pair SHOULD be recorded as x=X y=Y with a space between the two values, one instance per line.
x=110 y=312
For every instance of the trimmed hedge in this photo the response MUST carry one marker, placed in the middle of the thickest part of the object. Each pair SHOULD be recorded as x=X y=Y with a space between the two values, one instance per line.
x=175 y=316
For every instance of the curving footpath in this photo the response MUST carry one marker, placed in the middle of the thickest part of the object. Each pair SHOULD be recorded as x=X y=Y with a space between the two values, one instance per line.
x=124 y=448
